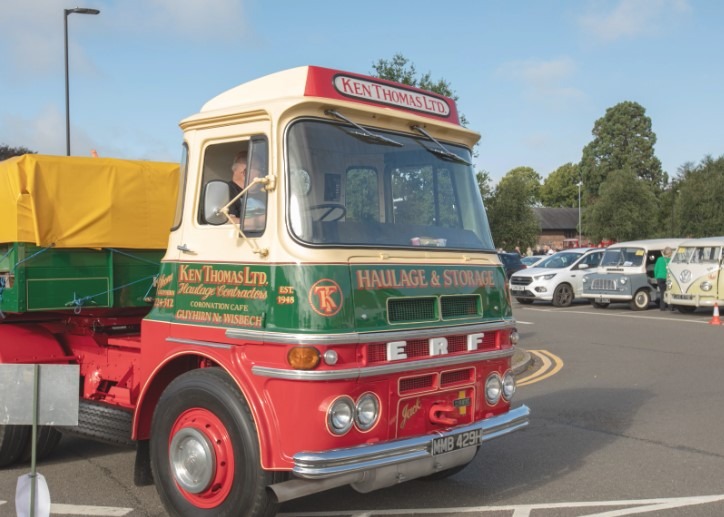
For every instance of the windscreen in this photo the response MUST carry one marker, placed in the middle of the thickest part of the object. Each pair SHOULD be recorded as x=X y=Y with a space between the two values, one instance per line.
x=367 y=187
x=560 y=260
x=697 y=255
x=625 y=257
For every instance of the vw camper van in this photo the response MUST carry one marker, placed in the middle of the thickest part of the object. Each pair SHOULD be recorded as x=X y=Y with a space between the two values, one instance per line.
x=695 y=278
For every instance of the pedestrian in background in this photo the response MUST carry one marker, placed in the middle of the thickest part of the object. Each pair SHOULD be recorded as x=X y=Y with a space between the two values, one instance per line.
x=660 y=269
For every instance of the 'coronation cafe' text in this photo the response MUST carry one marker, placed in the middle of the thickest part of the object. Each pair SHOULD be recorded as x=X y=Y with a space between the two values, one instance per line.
x=420 y=278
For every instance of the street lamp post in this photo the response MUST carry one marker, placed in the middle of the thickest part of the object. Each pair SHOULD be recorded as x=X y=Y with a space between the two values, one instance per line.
x=580 y=230
x=67 y=12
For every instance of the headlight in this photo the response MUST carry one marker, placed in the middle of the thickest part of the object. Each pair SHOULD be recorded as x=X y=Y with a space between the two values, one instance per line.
x=493 y=389
x=368 y=410
x=705 y=286
x=508 y=385
x=585 y=279
x=514 y=337
x=623 y=280
x=544 y=277
x=340 y=415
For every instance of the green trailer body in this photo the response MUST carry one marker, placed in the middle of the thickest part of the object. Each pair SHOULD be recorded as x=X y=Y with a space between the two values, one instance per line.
x=34 y=278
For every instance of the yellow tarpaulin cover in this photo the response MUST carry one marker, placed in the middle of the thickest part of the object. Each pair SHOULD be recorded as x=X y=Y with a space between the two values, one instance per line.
x=74 y=202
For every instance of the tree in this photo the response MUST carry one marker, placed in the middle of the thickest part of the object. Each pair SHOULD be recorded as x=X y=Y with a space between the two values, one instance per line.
x=626 y=209
x=402 y=70
x=623 y=140
x=530 y=178
x=512 y=220
x=560 y=188
x=485 y=185
x=699 y=205
x=8 y=152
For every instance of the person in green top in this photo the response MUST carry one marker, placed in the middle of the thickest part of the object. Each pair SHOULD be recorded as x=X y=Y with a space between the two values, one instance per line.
x=660 y=274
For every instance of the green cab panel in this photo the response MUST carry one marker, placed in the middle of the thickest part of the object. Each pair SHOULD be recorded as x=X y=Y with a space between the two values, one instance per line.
x=329 y=298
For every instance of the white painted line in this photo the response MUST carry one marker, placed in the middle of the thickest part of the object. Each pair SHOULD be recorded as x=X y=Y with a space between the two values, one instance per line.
x=98 y=511
x=635 y=315
x=637 y=506
x=524 y=322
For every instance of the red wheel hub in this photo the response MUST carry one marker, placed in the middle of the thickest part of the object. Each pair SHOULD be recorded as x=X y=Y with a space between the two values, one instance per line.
x=201 y=457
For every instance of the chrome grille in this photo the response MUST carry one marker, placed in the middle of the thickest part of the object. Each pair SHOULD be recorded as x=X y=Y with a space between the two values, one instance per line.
x=603 y=284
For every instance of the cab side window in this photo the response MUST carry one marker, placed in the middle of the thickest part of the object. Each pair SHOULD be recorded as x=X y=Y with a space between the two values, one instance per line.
x=236 y=164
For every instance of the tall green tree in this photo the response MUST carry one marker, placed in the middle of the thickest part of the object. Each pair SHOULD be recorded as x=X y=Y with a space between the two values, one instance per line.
x=530 y=178
x=485 y=185
x=623 y=140
x=626 y=209
x=512 y=220
x=402 y=70
x=560 y=188
x=699 y=205
x=7 y=152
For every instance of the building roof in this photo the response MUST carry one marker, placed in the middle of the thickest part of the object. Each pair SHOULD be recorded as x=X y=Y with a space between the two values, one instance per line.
x=557 y=218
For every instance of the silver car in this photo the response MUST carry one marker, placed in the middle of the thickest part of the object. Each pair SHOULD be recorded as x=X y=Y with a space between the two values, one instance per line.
x=556 y=279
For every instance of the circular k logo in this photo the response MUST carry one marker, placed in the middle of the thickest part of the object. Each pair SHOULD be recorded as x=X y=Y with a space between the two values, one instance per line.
x=325 y=297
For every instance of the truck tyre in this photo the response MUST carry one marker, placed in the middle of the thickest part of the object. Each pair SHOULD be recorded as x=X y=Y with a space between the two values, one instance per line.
x=13 y=440
x=46 y=442
x=563 y=295
x=599 y=305
x=205 y=451
x=102 y=422
x=641 y=300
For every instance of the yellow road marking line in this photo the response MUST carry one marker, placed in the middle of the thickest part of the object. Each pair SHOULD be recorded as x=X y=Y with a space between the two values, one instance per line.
x=552 y=364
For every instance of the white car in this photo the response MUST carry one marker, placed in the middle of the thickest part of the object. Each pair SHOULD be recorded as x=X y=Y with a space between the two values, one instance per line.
x=557 y=278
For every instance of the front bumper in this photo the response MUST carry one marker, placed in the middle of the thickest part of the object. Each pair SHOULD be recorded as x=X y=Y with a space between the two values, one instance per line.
x=338 y=462
x=529 y=292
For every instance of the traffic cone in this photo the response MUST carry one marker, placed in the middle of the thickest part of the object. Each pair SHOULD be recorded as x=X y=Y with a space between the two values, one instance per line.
x=715 y=318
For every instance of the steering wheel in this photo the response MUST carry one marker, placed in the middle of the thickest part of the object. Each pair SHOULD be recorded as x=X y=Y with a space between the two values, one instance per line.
x=337 y=209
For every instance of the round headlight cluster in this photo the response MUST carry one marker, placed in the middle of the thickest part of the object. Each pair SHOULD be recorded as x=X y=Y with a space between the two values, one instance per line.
x=497 y=387
x=705 y=286
x=623 y=280
x=343 y=413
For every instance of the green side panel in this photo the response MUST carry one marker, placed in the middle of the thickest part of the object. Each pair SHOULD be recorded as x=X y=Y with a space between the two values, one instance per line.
x=39 y=279
x=329 y=298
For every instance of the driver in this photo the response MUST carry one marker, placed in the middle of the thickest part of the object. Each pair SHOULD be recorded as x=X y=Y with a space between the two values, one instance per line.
x=255 y=215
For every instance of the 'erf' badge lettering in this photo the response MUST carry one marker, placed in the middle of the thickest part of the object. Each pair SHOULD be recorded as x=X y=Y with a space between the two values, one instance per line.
x=325 y=297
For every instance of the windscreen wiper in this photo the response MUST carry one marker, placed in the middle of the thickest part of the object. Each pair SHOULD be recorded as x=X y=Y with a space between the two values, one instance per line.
x=362 y=132
x=441 y=150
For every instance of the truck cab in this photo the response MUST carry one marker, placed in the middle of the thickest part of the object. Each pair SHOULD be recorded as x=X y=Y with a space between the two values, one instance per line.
x=350 y=326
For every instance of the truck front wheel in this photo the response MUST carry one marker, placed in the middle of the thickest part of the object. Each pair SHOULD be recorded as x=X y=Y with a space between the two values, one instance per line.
x=204 y=449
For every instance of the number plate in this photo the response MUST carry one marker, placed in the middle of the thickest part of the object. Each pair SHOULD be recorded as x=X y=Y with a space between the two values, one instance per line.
x=516 y=288
x=457 y=441
x=603 y=300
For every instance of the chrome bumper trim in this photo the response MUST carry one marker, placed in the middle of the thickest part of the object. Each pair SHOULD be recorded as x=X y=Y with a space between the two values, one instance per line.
x=320 y=465
x=354 y=338
x=386 y=369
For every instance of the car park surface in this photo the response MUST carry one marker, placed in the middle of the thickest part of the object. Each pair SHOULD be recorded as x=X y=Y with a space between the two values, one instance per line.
x=556 y=279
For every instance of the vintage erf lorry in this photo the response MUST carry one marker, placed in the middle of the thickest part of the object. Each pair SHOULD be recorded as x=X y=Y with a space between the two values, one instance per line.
x=340 y=318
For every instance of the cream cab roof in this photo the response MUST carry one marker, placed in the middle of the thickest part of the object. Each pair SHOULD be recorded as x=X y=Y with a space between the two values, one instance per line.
x=288 y=87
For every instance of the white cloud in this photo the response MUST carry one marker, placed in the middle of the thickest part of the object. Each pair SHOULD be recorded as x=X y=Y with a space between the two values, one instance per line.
x=632 y=18
x=544 y=80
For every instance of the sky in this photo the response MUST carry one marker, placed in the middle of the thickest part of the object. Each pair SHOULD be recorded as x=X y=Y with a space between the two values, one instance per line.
x=531 y=76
